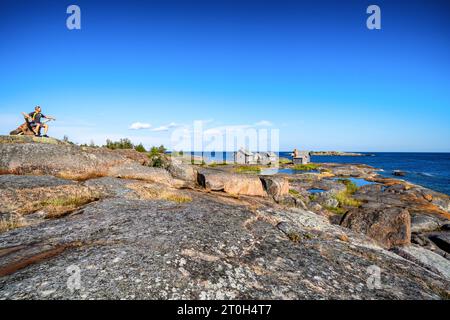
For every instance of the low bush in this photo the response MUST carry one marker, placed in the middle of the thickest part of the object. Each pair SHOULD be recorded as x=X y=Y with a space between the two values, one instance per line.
x=306 y=167
x=284 y=161
x=247 y=169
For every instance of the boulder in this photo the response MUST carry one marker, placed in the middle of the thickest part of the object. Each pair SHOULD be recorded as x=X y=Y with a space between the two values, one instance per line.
x=398 y=173
x=426 y=258
x=77 y=163
x=61 y=160
x=137 y=172
x=181 y=170
x=27 y=194
x=134 y=155
x=441 y=239
x=30 y=139
x=292 y=201
x=236 y=184
x=277 y=187
x=424 y=222
x=327 y=199
x=389 y=227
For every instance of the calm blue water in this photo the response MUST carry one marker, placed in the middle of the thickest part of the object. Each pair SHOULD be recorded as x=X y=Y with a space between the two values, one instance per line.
x=431 y=170
x=358 y=182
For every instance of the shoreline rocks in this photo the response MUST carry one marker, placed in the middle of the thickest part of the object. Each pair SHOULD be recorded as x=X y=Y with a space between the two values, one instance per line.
x=390 y=227
x=150 y=233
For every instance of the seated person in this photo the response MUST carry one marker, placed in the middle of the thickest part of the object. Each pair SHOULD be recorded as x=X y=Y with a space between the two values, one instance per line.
x=34 y=120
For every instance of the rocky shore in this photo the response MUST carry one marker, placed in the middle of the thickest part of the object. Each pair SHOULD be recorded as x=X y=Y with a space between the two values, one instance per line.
x=92 y=223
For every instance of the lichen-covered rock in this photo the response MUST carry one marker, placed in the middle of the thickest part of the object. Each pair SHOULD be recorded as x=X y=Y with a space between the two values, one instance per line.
x=131 y=154
x=203 y=249
x=236 y=184
x=390 y=226
x=426 y=258
x=61 y=160
x=138 y=172
x=441 y=239
x=327 y=199
x=27 y=194
x=424 y=222
x=277 y=187
x=30 y=139
x=181 y=170
x=143 y=238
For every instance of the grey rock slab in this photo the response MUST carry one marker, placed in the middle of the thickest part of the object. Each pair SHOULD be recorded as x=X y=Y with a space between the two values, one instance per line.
x=24 y=182
x=204 y=249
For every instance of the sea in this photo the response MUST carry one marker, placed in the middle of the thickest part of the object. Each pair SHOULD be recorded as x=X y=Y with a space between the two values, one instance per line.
x=431 y=170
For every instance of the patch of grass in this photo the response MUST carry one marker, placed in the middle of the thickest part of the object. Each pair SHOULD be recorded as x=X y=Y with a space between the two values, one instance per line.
x=216 y=164
x=294 y=192
x=284 y=161
x=336 y=210
x=306 y=167
x=345 y=199
x=66 y=202
x=247 y=169
x=155 y=193
x=58 y=207
x=177 y=198
x=11 y=223
x=312 y=197
x=351 y=187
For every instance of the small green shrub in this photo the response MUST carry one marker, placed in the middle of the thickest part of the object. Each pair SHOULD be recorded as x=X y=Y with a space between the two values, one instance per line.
x=140 y=148
x=121 y=144
x=247 y=169
x=351 y=187
x=337 y=210
x=284 y=161
x=216 y=164
x=346 y=199
x=306 y=167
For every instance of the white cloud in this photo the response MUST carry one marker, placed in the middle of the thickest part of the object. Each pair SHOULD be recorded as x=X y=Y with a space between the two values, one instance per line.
x=139 y=125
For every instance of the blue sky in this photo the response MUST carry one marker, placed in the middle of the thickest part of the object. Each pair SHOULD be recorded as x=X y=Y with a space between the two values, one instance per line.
x=310 y=69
